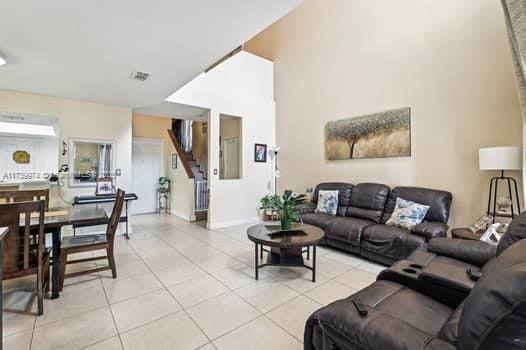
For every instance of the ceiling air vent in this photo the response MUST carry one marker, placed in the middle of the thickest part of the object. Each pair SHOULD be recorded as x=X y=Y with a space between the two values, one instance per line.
x=140 y=76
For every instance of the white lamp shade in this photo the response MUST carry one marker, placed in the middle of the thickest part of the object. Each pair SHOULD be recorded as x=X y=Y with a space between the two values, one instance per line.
x=500 y=158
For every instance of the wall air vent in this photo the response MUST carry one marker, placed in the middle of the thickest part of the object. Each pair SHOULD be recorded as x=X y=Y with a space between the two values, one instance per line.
x=140 y=76
x=8 y=117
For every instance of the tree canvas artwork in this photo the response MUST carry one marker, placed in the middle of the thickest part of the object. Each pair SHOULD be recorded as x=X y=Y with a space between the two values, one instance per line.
x=378 y=135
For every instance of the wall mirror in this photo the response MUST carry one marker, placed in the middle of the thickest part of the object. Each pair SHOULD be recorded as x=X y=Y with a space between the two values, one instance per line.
x=230 y=154
x=89 y=160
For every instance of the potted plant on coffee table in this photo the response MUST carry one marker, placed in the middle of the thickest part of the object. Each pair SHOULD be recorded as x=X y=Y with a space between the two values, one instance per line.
x=288 y=208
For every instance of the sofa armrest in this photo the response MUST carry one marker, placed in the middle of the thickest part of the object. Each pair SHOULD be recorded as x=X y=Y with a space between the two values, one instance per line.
x=430 y=230
x=305 y=208
x=473 y=252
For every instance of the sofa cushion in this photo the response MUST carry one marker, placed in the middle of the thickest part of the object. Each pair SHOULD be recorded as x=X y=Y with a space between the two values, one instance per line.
x=438 y=201
x=317 y=219
x=327 y=202
x=398 y=318
x=407 y=214
x=368 y=201
x=347 y=229
x=344 y=191
x=390 y=241
x=305 y=208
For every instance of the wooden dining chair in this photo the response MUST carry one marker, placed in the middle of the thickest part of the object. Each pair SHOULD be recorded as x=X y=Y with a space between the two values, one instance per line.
x=25 y=196
x=24 y=249
x=91 y=242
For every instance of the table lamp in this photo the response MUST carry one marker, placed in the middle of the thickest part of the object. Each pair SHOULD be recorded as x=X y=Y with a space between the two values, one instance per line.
x=501 y=159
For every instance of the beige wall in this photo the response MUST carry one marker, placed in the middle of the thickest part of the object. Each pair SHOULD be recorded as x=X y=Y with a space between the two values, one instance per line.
x=182 y=187
x=448 y=60
x=79 y=119
x=156 y=128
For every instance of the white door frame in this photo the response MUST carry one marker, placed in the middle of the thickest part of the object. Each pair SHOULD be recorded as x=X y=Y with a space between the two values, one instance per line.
x=153 y=142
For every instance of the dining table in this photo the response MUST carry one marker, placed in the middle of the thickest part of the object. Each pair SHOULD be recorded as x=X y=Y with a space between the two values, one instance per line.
x=55 y=219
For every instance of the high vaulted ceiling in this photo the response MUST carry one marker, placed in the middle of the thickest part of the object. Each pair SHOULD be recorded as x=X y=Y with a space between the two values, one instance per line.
x=88 y=49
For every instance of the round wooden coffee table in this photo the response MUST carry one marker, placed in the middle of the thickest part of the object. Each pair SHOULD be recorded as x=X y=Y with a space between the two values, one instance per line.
x=286 y=247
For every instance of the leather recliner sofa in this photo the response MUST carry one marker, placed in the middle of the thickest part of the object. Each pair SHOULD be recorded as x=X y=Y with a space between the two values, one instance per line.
x=492 y=316
x=359 y=224
x=452 y=265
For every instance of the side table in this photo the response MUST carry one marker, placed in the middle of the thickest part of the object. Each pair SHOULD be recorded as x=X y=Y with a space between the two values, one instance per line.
x=465 y=233
x=163 y=200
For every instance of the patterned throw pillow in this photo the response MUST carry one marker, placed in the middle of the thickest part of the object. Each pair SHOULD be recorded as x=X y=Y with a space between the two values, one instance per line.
x=407 y=214
x=327 y=202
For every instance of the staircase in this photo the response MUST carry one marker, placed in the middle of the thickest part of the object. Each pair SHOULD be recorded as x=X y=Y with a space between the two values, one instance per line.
x=199 y=174
x=193 y=171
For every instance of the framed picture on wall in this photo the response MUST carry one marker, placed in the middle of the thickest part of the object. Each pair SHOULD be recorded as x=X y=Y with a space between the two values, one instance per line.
x=260 y=153
x=174 y=161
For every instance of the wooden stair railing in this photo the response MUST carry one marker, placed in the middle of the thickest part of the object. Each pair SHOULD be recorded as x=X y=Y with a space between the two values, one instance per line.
x=181 y=154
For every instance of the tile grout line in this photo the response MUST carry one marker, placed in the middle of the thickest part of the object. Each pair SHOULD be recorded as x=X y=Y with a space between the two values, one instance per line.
x=111 y=312
x=170 y=227
x=229 y=290
x=271 y=277
x=32 y=333
x=262 y=314
x=166 y=289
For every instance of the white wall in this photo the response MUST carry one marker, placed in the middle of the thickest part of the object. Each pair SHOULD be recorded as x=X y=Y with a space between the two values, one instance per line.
x=79 y=119
x=241 y=86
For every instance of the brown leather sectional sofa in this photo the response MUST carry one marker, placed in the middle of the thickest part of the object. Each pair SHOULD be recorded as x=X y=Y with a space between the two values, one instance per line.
x=451 y=265
x=359 y=225
x=410 y=305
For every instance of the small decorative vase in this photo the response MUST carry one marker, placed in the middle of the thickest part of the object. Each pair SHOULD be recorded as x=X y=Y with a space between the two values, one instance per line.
x=286 y=224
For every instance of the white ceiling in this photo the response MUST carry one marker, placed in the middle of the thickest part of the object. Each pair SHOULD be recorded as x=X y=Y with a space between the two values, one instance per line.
x=87 y=49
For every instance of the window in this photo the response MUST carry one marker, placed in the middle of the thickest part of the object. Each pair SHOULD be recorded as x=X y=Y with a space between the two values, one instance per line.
x=28 y=147
x=90 y=159
x=230 y=154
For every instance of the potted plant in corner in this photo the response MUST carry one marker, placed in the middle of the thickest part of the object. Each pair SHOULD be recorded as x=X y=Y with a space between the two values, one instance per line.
x=270 y=206
x=266 y=205
x=288 y=208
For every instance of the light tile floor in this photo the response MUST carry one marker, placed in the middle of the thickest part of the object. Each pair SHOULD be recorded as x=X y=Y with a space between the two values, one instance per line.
x=181 y=286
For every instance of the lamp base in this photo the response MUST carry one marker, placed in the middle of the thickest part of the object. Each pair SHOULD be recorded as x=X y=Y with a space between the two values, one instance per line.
x=493 y=192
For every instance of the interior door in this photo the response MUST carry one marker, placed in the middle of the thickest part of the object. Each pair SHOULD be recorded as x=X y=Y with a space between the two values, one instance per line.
x=231 y=158
x=147 y=160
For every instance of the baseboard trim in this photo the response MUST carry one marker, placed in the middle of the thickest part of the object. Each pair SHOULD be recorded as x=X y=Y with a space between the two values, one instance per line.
x=223 y=224
x=180 y=214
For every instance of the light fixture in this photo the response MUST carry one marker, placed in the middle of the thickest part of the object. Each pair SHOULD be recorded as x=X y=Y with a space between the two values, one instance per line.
x=501 y=159
x=27 y=129
x=2 y=60
x=277 y=172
